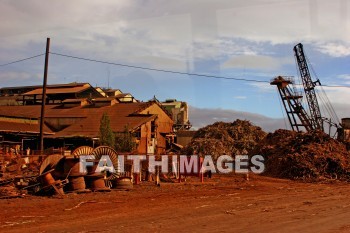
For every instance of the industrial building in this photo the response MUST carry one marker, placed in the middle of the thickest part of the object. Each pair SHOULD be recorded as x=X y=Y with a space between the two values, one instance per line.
x=344 y=132
x=179 y=112
x=72 y=117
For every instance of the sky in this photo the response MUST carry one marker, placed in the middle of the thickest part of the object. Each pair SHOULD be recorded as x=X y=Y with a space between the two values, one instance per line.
x=235 y=39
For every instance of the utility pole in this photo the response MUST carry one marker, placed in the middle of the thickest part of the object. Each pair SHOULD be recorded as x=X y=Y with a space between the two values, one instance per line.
x=43 y=98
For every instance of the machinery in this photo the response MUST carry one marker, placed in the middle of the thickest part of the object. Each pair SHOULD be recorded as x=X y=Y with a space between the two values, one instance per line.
x=309 y=88
x=291 y=99
x=305 y=116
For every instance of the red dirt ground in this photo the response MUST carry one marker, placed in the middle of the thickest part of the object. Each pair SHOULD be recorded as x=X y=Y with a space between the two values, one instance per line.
x=221 y=204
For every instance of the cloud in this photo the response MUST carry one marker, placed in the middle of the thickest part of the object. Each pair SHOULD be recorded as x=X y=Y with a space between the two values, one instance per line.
x=264 y=87
x=281 y=22
x=105 y=30
x=201 y=117
x=257 y=62
x=337 y=98
x=335 y=49
x=162 y=62
x=74 y=14
x=18 y=78
x=336 y=94
x=124 y=29
x=342 y=79
x=342 y=110
x=344 y=76
x=174 y=35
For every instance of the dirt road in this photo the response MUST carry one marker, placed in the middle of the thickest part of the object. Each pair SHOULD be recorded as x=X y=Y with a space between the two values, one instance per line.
x=222 y=204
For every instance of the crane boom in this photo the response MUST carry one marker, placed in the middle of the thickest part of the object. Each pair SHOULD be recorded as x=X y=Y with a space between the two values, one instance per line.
x=309 y=88
x=291 y=100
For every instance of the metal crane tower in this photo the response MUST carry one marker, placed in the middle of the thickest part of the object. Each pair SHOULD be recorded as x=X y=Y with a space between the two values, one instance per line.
x=309 y=88
x=291 y=100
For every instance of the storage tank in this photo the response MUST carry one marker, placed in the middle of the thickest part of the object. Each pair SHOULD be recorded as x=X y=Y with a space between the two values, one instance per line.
x=344 y=132
x=345 y=122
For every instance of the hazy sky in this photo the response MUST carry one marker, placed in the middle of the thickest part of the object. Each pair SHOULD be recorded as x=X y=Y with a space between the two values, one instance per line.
x=230 y=38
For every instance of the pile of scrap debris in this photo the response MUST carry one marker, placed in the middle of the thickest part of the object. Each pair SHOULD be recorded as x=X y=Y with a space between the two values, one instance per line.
x=18 y=182
x=59 y=174
x=15 y=174
x=311 y=156
x=220 y=138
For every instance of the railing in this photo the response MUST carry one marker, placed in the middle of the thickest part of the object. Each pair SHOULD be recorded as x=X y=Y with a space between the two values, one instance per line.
x=283 y=78
x=48 y=151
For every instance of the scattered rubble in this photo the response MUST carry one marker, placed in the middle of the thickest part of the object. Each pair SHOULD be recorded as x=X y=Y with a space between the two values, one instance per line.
x=58 y=174
x=10 y=191
x=311 y=156
x=16 y=174
x=220 y=138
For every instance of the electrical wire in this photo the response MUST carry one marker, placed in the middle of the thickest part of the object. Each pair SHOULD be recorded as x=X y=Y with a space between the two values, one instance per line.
x=153 y=69
x=169 y=71
x=24 y=59
x=160 y=70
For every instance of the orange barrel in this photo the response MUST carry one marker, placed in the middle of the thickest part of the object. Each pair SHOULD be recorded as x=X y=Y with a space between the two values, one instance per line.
x=136 y=178
x=123 y=183
x=96 y=182
x=76 y=183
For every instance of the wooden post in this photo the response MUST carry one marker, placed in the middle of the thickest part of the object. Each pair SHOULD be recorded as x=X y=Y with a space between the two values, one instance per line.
x=201 y=173
x=178 y=159
x=43 y=98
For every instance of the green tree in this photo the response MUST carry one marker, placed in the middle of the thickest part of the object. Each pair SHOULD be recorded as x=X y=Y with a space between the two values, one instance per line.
x=124 y=141
x=106 y=134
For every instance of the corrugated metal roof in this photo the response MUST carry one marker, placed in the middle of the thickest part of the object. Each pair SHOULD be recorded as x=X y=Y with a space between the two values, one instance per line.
x=123 y=95
x=73 y=100
x=50 y=91
x=15 y=127
x=27 y=111
x=49 y=85
x=33 y=111
x=90 y=126
x=111 y=90
x=104 y=99
x=121 y=115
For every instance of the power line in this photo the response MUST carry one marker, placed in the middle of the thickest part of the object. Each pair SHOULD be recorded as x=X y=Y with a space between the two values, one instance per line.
x=337 y=86
x=154 y=69
x=24 y=59
x=174 y=72
x=160 y=70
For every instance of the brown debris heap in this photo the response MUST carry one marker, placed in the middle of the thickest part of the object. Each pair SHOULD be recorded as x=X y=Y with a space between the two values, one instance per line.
x=15 y=174
x=220 y=138
x=311 y=156
x=9 y=191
